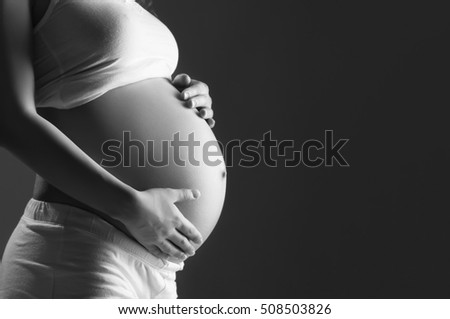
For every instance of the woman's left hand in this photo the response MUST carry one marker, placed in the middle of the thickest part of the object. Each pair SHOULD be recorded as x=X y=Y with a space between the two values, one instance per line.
x=195 y=94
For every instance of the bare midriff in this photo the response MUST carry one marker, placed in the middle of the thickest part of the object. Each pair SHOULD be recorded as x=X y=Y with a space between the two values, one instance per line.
x=140 y=133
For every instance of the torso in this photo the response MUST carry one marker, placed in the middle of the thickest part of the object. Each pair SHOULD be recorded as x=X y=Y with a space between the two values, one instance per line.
x=151 y=111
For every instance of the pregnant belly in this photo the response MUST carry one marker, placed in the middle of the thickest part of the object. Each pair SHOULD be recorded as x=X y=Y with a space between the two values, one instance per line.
x=144 y=135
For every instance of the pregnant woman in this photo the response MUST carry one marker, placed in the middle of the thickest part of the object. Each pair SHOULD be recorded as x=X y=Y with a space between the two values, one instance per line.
x=88 y=103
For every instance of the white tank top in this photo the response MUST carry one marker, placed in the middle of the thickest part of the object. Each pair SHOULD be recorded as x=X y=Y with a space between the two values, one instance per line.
x=84 y=48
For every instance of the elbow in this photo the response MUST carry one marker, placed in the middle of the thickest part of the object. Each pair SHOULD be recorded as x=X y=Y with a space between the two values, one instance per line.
x=6 y=135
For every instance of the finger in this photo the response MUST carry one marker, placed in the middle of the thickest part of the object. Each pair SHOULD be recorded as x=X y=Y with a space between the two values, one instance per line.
x=189 y=231
x=157 y=252
x=171 y=250
x=211 y=123
x=184 y=194
x=195 y=88
x=200 y=101
x=181 y=81
x=205 y=113
x=182 y=243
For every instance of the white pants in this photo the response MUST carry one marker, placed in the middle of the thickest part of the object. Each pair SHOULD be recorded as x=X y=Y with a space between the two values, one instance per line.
x=61 y=251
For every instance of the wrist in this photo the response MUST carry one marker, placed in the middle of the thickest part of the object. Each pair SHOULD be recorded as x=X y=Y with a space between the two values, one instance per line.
x=130 y=207
x=126 y=206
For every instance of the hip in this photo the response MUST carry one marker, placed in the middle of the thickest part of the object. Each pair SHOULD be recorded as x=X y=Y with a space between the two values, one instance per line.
x=60 y=251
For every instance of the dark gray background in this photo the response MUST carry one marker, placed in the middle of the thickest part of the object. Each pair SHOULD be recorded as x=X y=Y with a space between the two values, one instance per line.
x=376 y=72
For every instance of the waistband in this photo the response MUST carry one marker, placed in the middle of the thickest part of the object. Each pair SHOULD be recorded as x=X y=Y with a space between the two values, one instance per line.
x=75 y=217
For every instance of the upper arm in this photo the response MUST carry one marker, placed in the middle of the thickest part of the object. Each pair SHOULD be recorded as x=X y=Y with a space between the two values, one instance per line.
x=16 y=66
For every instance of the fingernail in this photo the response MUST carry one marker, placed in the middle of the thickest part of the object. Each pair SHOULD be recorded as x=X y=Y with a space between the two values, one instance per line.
x=203 y=113
x=196 y=193
x=192 y=103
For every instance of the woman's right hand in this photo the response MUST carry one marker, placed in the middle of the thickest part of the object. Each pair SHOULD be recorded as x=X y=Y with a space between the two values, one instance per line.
x=160 y=227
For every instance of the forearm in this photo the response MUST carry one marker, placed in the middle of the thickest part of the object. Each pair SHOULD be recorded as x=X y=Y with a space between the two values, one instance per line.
x=52 y=155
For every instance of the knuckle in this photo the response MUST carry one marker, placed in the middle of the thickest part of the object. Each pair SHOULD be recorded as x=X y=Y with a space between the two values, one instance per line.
x=164 y=249
x=162 y=232
x=157 y=227
x=176 y=220
x=180 y=256
x=159 y=245
x=159 y=236
x=184 y=242
x=187 y=193
x=189 y=232
x=151 y=249
x=170 y=192
x=202 y=101
x=178 y=253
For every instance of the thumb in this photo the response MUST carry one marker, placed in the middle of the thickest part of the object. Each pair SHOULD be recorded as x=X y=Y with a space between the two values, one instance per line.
x=186 y=194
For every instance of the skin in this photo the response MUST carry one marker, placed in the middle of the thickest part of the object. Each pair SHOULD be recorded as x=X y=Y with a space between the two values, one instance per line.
x=196 y=94
x=47 y=151
x=153 y=111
